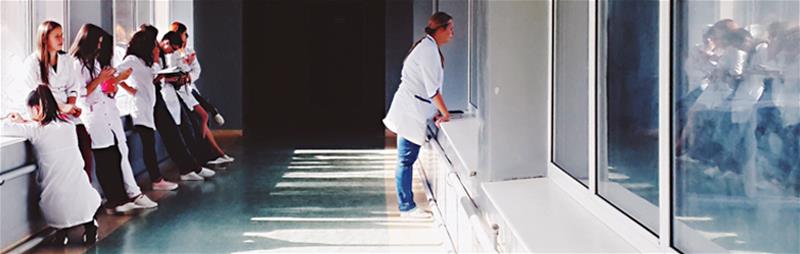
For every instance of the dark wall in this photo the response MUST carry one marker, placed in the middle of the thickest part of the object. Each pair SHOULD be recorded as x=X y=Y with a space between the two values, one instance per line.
x=218 y=41
x=399 y=38
x=314 y=69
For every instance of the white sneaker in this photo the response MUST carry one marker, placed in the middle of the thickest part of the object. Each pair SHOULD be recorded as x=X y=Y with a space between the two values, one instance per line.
x=164 y=185
x=415 y=214
x=192 y=176
x=144 y=202
x=206 y=173
x=127 y=207
x=217 y=161
x=228 y=158
x=219 y=119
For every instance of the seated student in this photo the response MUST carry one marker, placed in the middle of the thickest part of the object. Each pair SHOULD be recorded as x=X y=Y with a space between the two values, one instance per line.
x=67 y=198
x=207 y=147
x=150 y=109
x=101 y=116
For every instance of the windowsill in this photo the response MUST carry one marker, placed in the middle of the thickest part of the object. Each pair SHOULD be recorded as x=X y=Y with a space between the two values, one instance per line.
x=462 y=136
x=545 y=218
x=7 y=140
x=15 y=153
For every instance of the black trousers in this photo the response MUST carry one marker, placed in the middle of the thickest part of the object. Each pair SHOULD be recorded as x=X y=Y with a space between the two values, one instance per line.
x=212 y=111
x=109 y=174
x=174 y=139
x=148 y=137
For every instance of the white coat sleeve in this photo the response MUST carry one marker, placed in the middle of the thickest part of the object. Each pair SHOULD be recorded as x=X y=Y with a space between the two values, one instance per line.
x=75 y=82
x=124 y=65
x=23 y=130
x=195 y=72
x=432 y=73
x=78 y=76
x=32 y=78
x=25 y=85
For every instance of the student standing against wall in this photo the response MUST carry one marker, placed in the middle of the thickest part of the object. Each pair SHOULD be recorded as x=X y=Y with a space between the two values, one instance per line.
x=206 y=146
x=52 y=66
x=101 y=116
x=199 y=107
x=67 y=198
x=150 y=111
x=416 y=101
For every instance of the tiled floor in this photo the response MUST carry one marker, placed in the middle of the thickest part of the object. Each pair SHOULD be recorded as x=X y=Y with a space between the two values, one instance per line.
x=278 y=200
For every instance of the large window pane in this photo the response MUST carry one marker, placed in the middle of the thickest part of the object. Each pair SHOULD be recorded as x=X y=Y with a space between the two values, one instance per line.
x=572 y=89
x=477 y=44
x=14 y=48
x=50 y=10
x=455 y=52
x=628 y=108
x=737 y=126
x=128 y=15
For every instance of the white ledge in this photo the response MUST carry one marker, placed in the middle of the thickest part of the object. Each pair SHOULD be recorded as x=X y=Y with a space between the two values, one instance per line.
x=462 y=136
x=544 y=218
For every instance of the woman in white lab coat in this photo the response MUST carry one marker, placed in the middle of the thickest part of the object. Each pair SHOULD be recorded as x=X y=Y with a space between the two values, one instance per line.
x=416 y=101
x=150 y=111
x=191 y=58
x=102 y=120
x=52 y=66
x=67 y=198
x=205 y=146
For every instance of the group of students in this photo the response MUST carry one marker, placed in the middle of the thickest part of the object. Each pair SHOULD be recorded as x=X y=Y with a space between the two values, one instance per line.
x=742 y=107
x=74 y=125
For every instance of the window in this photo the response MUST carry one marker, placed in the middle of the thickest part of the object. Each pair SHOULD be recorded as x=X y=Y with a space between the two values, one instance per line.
x=128 y=15
x=736 y=126
x=627 y=121
x=16 y=44
x=477 y=44
x=456 y=55
x=55 y=10
x=571 y=97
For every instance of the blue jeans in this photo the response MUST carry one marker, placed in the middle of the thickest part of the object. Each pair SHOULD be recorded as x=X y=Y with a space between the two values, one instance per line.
x=407 y=153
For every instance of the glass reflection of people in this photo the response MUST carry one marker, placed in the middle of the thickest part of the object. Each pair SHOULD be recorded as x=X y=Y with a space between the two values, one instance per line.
x=705 y=69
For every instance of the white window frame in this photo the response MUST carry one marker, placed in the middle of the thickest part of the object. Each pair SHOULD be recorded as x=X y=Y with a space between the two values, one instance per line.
x=635 y=233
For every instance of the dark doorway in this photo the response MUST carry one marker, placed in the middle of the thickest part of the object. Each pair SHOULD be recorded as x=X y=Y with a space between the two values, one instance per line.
x=314 y=72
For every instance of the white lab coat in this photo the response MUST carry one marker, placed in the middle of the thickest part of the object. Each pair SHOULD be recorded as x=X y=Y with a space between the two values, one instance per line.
x=752 y=86
x=170 y=96
x=731 y=65
x=193 y=69
x=64 y=82
x=786 y=91
x=422 y=76
x=124 y=100
x=699 y=67
x=67 y=198
x=145 y=98
x=102 y=120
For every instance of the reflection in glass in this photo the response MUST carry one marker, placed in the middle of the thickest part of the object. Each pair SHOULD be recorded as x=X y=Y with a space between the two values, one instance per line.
x=737 y=127
x=628 y=108
x=571 y=90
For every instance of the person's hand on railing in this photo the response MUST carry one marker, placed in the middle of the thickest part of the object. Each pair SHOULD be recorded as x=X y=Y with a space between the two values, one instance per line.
x=441 y=118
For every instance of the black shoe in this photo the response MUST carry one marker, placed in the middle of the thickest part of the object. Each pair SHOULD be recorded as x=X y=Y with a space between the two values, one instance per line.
x=90 y=232
x=59 y=238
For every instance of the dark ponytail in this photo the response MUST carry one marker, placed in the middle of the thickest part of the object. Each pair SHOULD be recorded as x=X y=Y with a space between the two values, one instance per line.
x=437 y=21
x=44 y=98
